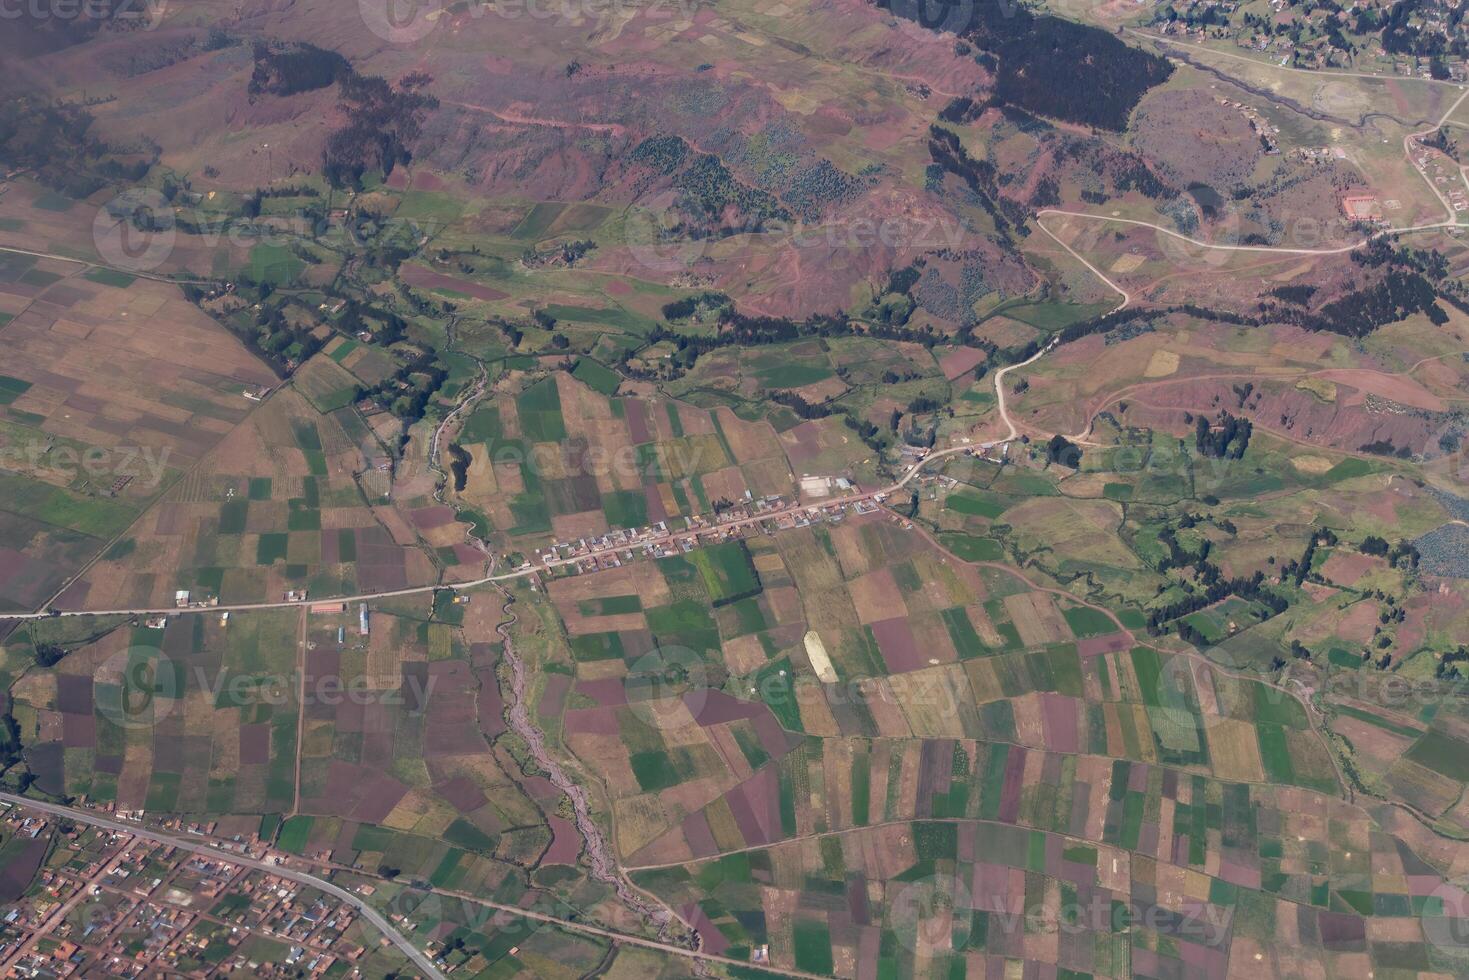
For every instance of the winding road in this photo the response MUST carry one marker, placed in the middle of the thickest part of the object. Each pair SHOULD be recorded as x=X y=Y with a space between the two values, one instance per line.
x=674 y=934
x=1452 y=221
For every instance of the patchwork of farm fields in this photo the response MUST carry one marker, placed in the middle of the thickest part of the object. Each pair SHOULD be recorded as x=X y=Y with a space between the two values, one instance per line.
x=955 y=722
x=1041 y=758
x=112 y=388
x=370 y=748
x=1050 y=455
x=562 y=460
x=796 y=735
x=277 y=506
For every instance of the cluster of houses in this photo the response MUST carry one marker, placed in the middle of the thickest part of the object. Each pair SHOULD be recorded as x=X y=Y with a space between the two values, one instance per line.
x=1311 y=47
x=1443 y=172
x=755 y=515
x=1269 y=134
x=125 y=906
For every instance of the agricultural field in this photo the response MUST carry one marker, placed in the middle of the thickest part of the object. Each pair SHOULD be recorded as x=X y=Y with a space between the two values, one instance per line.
x=199 y=715
x=758 y=491
x=287 y=501
x=814 y=817
x=113 y=388
x=369 y=749
x=560 y=459
x=924 y=897
x=861 y=632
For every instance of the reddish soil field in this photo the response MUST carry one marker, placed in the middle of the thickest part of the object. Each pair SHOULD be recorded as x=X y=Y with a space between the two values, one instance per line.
x=656 y=510
x=417 y=275
x=1014 y=781
x=718 y=708
x=378 y=799
x=254 y=744
x=428 y=518
x=933 y=772
x=461 y=793
x=565 y=842
x=807 y=438
x=79 y=731
x=700 y=838
x=961 y=361
x=73 y=694
x=1339 y=930
x=1059 y=715
x=27 y=582
x=75 y=596
x=1095 y=645
x=637 y=421
x=755 y=804
x=1346 y=567
x=450 y=713
x=382 y=578
x=995 y=890
x=899 y=648
x=592 y=721
x=714 y=940
x=607 y=692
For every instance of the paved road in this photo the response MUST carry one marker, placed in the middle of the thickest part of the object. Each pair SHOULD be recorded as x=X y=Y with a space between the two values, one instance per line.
x=196 y=846
x=538 y=567
x=100 y=265
x=413 y=953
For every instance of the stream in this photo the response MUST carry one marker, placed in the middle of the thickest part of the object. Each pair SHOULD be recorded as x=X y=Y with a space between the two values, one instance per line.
x=604 y=866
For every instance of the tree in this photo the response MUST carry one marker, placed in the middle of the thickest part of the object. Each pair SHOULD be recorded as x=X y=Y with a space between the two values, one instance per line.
x=1374 y=545
x=49 y=654
x=1063 y=451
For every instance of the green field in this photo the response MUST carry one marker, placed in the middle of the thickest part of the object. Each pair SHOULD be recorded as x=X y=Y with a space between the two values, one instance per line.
x=597 y=376
x=109 y=277
x=976 y=503
x=728 y=572
x=539 y=407
x=274 y=264
x=1442 y=754
x=972 y=547
x=611 y=316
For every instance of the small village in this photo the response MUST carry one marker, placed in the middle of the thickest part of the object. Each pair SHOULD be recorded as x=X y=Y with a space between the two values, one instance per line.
x=110 y=903
x=755 y=515
x=1304 y=40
